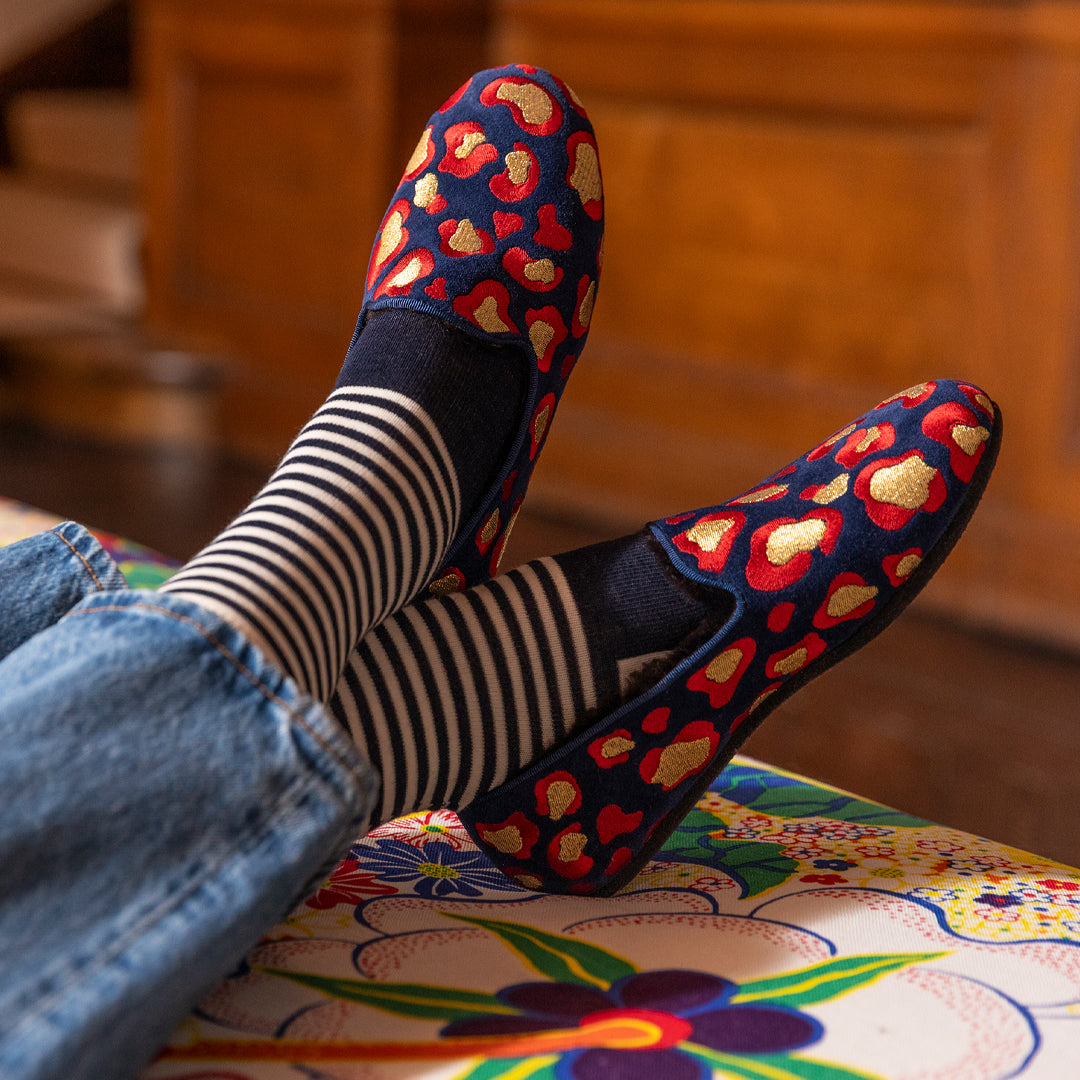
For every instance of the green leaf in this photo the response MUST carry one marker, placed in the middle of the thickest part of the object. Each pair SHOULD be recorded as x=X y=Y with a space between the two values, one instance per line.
x=527 y=1068
x=755 y=866
x=416 y=1000
x=773 y=1066
x=827 y=980
x=767 y=792
x=560 y=958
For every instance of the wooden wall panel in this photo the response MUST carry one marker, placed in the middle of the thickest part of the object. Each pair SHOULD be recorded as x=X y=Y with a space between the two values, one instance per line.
x=810 y=206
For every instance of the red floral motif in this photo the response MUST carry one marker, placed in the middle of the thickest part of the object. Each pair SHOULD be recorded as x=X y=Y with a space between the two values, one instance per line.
x=395 y=218
x=505 y=224
x=540 y=423
x=865 y=441
x=534 y=110
x=686 y=755
x=458 y=243
x=521 y=163
x=488 y=307
x=895 y=489
x=557 y=794
x=710 y=538
x=912 y=396
x=549 y=334
x=514 y=836
x=537 y=275
x=823 y=879
x=423 y=157
x=899 y=567
x=550 y=233
x=795 y=657
x=956 y=427
x=594 y=207
x=412 y=267
x=848 y=597
x=719 y=678
x=467 y=149
x=780 y=617
x=566 y=853
x=613 y=821
x=781 y=551
x=348 y=885
x=612 y=749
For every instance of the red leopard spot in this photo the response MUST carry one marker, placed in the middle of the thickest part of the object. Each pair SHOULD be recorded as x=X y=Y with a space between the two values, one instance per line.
x=487 y=306
x=583 y=309
x=567 y=365
x=467 y=149
x=505 y=224
x=618 y=861
x=710 y=538
x=566 y=853
x=864 y=441
x=557 y=795
x=914 y=395
x=898 y=568
x=392 y=238
x=547 y=332
x=894 y=490
x=656 y=721
x=781 y=551
x=674 y=520
x=583 y=173
x=550 y=233
x=538 y=275
x=571 y=97
x=848 y=597
x=795 y=657
x=456 y=96
x=508 y=485
x=613 y=821
x=719 y=678
x=460 y=239
x=437 y=289
x=611 y=749
x=534 y=110
x=520 y=177
x=410 y=268
x=422 y=157
x=956 y=427
x=977 y=398
x=685 y=756
x=514 y=836
x=540 y=423
x=780 y=616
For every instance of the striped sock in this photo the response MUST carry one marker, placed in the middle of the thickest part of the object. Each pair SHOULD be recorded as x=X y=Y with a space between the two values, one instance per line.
x=359 y=514
x=456 y=694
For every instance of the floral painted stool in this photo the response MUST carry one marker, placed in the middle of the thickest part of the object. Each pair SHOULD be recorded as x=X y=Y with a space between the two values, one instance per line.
x=786 y=931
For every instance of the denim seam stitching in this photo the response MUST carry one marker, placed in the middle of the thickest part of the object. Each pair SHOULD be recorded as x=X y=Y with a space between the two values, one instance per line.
x=81 y=557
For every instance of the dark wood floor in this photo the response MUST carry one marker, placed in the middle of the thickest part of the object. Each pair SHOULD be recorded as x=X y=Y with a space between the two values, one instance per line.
x=973 y=731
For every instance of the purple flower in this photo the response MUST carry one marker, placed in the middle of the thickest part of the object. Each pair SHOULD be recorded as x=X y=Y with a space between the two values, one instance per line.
x=684 y=1008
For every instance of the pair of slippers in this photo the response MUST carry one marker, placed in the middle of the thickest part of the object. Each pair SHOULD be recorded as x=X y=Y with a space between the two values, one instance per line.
x=497 y=228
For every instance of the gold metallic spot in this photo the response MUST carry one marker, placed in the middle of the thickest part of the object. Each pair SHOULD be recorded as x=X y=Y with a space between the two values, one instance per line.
x=969 y=439
x=517 y=166
x=787 y=541
x=427 y=187
x=506 y=539
x=487 y=316
x=508 y=840
x=406 y=276
x=533 y=102
x=560 y=796
x=530 y=881
x=833 y=439
x=910 y=392
x=985 y=402
x=491 y=527
x=585 y=179
x=722 y=667
x=679 y=759
x=420 y=152
x=465 y=238
x=906 y=565
x=571 y=846
x=763 y=495
x=791 y=663
x=573 y=97
x=541 y=423
x=540 y=334
x=448 y=583
x=469 y=144
x=540 y=270
x=391 y=237
x=832 y=492
x=615 y=746
x=848 y=597
x=762 y=696
x=708 y=534
x=906 y=484
x=585 y=310
x=868 y=439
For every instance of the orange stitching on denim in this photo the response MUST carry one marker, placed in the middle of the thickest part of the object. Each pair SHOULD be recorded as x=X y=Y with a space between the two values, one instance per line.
x=228 y=654
x=82 y=558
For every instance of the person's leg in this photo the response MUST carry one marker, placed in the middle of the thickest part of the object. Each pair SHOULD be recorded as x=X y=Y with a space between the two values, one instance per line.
x=613 y=682
x=168 y=794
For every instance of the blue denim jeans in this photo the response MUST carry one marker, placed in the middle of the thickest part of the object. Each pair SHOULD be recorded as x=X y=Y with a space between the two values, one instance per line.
x=166 y=795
